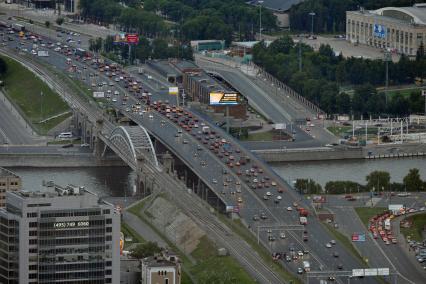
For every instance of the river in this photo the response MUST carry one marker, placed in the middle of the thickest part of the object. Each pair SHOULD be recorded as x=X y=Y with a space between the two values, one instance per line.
x=354 y=170
x=118 y=181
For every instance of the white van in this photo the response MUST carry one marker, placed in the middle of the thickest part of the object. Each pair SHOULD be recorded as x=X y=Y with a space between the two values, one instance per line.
x=65 y=135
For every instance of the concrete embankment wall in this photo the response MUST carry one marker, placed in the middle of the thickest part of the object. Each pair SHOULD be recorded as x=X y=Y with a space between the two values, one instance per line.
x=338 y=153
x=56 y=160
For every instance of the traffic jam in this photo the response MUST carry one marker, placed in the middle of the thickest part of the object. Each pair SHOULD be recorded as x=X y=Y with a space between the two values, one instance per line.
x=380 y=225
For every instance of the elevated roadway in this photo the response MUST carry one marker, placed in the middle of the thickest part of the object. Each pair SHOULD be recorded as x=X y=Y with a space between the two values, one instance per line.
x=164 y=130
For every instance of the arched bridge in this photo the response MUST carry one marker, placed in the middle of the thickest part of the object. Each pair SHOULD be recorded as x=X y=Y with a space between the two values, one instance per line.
x=132 y=143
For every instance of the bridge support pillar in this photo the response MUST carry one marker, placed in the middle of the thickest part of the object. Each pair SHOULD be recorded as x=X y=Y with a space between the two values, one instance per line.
x=168 y=162
x=98 y=143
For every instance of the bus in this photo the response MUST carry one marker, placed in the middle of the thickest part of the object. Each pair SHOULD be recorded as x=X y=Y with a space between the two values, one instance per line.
x=80 y=52
x=18 y=27
x=65 y=135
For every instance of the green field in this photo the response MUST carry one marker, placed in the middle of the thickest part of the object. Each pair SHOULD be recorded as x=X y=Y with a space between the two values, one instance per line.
x=416 y=230
x=365 y=213
x=208 y=267
x=339 y=130
x=24 y=89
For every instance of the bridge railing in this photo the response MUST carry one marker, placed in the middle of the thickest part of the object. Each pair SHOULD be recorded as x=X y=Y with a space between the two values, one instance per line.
x=295 y=95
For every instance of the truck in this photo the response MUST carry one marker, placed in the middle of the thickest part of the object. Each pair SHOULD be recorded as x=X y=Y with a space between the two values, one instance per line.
x=303 y=220
x=303 y=212
x=140 y=70
x=387 y=224
x=306 y=266
x=206 y=129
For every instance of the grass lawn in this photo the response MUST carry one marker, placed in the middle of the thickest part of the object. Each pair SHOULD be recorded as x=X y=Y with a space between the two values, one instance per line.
x=339 y=130
x=24 y=88
x=242 y=231
x=415 y=232
x=404 y=92
x=365 y=213
x=129 y=232
x=211 y=268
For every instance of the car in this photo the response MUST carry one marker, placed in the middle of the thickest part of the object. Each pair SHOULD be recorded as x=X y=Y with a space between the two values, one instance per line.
x=268 y=193
x=214 y=181
x=185 y=141
x=114 y=99
x=240 y=200
x=328 y=245
x=263 y=216
x=288 y=258
x=300 y=253
x=335 y=254
x=282 y=235
x=151 y=116
x=289 y=208
x=300 y=270
x=255 y=218
x=265 y=197
x=271 y=238
x=333 y=242
x=340 y=266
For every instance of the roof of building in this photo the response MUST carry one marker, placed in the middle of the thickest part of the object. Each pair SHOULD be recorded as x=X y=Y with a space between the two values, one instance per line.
x=249 y=44
x=408 y=15
x=157 y=261
x=276 y=5
x=6 y=173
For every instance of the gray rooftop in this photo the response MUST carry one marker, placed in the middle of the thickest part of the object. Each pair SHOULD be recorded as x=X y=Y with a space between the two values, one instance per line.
x=405 y=15
x=6 y=173
x=276 y=5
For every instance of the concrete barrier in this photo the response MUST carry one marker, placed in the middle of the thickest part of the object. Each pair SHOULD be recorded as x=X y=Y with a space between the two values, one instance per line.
x=56 y=160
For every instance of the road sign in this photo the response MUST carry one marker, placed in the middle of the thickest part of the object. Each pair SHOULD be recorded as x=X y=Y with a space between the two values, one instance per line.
x=223 y=99
x=383 y=271
x=379 y=31
x=132 y=38
x=280 y=126
x=356 y=237
x=98 y=95
x=370 y=272
x=357 y=272
x=173 y=91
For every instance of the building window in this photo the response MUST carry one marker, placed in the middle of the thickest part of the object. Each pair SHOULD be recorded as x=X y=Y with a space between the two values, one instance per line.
x=166 y=280
x=33 y=224
x=32 y=215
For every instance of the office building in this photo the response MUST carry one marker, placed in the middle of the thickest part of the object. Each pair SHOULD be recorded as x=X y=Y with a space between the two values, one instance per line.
x=401 y=29
x=67 y=235
x=8 y=182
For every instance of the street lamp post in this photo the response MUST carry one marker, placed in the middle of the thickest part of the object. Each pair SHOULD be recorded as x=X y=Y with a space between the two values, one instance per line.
x=260 y=19
x=312 y=14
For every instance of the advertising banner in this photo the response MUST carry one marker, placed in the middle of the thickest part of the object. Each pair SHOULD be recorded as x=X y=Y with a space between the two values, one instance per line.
x=98 y=95
x=173 y=91
x=358 y=237
x=132 y=38
x=379 y=31
x=223 y=99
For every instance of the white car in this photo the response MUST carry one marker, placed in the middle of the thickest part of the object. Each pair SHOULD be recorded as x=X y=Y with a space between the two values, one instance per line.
x=328 y=245
x=282 y=235
x=268 y=193
x=114 y=99
x=289 y=208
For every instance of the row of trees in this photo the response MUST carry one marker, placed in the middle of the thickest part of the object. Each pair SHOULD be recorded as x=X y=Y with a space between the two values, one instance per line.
x=187 y=19
x=323 y=73
x=330 y=15
x=145 y=49
x=376 y=181
x=3 y=67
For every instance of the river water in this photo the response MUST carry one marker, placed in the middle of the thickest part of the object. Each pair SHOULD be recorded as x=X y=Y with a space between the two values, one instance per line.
x=118 y=181
x=354 y=170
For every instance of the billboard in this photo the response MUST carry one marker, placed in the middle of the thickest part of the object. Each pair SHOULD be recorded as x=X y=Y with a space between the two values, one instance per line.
x=173 y=91
x=132 y=38
x=120 y=38
x=98 y=95
x=223 y=99
x=43 y=53
x=379 y=31
x=358 y=237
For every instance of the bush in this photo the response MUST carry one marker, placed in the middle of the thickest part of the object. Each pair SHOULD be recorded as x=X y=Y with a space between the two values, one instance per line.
x=308 y=186
x=338 y=187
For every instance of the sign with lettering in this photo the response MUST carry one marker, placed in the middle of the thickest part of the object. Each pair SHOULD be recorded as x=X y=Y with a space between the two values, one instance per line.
x=70 y=224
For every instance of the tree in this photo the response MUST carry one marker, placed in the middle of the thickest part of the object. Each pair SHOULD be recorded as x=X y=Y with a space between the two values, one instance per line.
x=145 y=250
x=59 y=21
x=412 y=180
x=378 y=180
x=3 y=67
x=47 y=24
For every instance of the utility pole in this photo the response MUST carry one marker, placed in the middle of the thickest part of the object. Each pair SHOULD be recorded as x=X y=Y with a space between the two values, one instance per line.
x=387 y=58
x=312 y=14
x=260 y=19
x=300 y=55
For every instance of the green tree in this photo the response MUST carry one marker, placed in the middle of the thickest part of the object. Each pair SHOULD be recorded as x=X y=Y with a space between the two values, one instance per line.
x=145 y=250
x=378 y=180
x=3 y=67
x=59 y=21
x=412 y=180
x=47 y=24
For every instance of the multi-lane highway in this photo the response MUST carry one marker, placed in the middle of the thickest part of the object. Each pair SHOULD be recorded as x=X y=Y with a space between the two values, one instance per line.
x=209 y=167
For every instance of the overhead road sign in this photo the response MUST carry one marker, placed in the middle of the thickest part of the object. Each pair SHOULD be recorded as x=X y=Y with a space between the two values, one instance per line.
x=98 y=95
x=383 y=271
x=370 y=272
x=357 y=272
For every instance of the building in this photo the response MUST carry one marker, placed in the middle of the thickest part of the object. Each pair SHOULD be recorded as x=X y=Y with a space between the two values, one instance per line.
x=70 y=6
x=208 y=44
x=400 y=29
x=8 y=182
x=164 y=269
x=280 y=8
x=64 y=236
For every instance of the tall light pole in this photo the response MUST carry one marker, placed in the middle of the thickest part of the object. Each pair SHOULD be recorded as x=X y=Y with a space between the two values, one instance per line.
x=387 y=57
x=312 y=14
x=260 y=19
